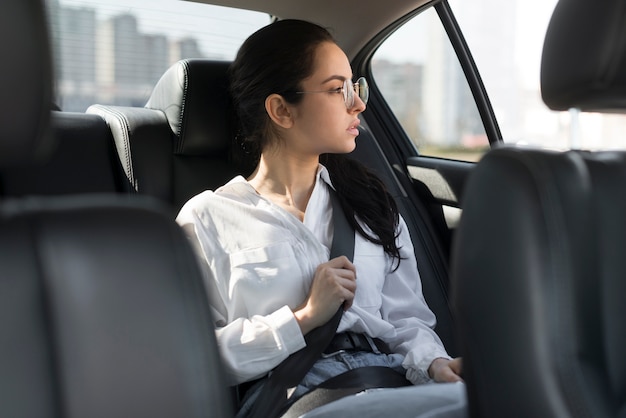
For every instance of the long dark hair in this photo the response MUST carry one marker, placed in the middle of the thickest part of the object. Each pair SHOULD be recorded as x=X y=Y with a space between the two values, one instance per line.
x=276 y=59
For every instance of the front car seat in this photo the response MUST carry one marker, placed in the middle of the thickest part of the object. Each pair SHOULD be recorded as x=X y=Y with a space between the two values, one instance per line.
x=103 y=312
x=539 y=263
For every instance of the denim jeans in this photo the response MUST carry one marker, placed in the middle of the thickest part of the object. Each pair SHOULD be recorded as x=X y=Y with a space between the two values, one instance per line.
x=429 y=400
x=326 y=368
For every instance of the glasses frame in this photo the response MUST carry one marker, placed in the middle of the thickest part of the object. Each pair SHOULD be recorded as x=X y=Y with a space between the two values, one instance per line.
x=360 y=87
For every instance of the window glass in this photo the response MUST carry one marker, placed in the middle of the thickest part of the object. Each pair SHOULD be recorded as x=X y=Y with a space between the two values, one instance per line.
x=506 y=40
x=419 y=75
x=114 y=51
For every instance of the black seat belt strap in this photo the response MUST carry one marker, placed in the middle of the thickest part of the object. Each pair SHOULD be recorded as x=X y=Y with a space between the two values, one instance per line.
x=289 y=373
x=343 y=235
x=345 y=384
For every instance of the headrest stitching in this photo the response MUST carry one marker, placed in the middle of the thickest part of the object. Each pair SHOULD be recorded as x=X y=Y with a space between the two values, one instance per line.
x=125 y=152
x=181 y=117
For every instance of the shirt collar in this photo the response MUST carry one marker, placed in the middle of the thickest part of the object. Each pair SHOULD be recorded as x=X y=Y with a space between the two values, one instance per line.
x=322 y=174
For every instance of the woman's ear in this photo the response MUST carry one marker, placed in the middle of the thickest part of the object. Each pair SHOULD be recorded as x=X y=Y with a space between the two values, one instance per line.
x=279 y=110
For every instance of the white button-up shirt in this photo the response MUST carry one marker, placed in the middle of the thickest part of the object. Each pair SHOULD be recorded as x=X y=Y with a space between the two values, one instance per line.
x=259 y=261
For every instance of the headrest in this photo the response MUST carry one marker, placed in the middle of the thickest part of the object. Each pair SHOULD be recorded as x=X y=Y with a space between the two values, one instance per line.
x=584 y=56
x=26 y=81
x=194 y=96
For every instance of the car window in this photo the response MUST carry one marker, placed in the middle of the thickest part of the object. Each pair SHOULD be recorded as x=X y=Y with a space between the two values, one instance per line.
x=506 y=40
x=114 y=51
x=421 y=79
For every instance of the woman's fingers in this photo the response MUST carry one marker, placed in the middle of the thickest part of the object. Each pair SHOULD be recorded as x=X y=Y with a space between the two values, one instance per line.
x=334 y=284
x=338 y=277
x=443 y=370
x=341 y=263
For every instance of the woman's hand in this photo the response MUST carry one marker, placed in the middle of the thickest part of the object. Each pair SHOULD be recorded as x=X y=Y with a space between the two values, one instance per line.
x=442 y=370
x=334 y=284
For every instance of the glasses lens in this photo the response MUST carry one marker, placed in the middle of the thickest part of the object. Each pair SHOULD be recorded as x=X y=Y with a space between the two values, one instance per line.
x=348 y=93
x=360 y=88
x=363 y=89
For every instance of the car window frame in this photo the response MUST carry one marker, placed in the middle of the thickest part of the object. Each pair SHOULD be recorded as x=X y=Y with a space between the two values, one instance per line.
x=381 y=118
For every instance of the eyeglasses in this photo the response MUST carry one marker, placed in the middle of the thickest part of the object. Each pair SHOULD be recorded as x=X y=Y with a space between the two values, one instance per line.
x=348 y=90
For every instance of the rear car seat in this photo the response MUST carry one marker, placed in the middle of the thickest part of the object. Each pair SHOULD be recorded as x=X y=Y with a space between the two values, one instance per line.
x=81 y=161
x=103 y=311
x=539 y=266
x=179 y=144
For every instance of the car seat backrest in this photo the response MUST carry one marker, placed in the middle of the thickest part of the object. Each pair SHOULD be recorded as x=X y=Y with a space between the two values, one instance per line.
x=81 y=161
x=26 y=91
x=539 y=261
x=103 y=311
x=538 y=276
x=190 y=106
x=143 y=145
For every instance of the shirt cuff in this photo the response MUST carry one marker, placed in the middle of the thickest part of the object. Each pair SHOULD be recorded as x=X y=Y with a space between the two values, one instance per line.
x=287 y=329
x=417 y=371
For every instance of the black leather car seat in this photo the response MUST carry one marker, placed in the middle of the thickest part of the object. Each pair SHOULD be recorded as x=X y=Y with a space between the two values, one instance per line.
x=539 y=263
x=179 y=144
x=82 y=161
x=103 y=312
x=538 y=276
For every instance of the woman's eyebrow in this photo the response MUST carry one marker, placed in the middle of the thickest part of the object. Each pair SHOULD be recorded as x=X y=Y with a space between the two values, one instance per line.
x=334 y=77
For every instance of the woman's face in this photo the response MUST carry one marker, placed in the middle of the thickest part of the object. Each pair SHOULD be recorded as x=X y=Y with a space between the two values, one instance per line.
x=322 y=122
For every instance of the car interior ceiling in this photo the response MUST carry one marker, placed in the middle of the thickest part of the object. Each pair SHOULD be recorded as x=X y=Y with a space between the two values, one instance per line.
x=352 y=24
x=349 y=24
x=539 y=283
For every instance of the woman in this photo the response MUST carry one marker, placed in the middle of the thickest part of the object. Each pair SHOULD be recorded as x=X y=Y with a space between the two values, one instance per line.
x=264 y=241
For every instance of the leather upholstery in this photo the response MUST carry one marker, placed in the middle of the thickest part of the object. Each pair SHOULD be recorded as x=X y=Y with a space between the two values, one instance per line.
x=103 y=310
x=103 y=314
x=26 y=92
x=83 y=160
x=539 y=263
x=584 y=56
x=143 y=144
x=538 y=278
x=179 y=144
x=194 y=96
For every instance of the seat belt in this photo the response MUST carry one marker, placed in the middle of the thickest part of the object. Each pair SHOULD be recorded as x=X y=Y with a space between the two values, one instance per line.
x=348 y=383
x=291 y=371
